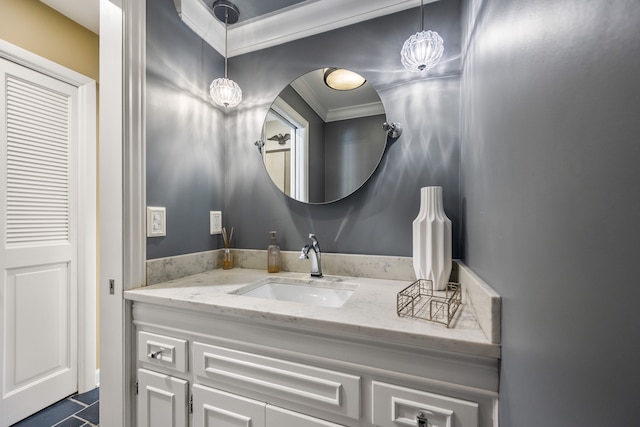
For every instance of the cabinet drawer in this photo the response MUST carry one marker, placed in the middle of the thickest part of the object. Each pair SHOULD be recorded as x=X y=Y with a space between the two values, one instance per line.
x=217 y=408
x=282 y=418
x=162 y=351
x=395 y=406
x=324 y=389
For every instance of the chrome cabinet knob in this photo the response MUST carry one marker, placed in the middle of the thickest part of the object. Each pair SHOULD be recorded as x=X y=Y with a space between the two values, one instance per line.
x=156 y=354
x=422 y=420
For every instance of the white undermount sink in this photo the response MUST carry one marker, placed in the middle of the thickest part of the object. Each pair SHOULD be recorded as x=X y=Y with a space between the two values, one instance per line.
x=329 y=292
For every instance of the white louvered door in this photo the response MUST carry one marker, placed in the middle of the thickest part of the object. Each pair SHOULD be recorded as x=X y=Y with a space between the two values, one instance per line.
x=38 y=240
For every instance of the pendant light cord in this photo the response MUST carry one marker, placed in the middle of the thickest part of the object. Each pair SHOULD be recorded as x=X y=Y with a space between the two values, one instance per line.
x=421 y=16
x=226 y=20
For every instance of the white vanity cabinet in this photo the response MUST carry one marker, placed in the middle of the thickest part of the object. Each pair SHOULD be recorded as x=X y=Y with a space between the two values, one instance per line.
x=231 y=371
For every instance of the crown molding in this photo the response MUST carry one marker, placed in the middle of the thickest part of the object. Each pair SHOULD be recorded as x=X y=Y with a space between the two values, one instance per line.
x=309 y=96
x=292 y=23
x=355 y=112
x=335 y=114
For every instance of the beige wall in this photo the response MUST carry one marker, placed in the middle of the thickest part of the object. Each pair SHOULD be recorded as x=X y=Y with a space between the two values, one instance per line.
x=36 y=27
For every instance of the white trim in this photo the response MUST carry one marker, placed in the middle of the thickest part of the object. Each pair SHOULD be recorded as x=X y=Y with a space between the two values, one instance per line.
x=122 y=199
x=355 y=112
x=134 y=155
x=87 y=239
x=43 y=65
x=299 y=149
x=281 y=107
x=134 y=241
x=335 y=114
x=112 y=376
x=289 y=24
x=304 y=90
x=87 y=230
x=122 y=196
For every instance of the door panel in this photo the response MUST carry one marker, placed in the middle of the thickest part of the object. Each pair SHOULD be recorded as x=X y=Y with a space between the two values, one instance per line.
x=40 y=347
x=38 y=240
x=162 y=400
x=216 y=408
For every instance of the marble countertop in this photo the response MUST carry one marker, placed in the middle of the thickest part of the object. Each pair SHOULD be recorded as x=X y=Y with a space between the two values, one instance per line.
x=370 y=313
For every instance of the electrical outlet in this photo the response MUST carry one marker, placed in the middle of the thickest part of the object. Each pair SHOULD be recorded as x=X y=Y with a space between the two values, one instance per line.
x=215 y=222
x=156 y=221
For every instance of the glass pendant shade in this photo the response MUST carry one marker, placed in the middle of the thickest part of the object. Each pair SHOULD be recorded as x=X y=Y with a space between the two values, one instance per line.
x=225 y=92
x=422 y=51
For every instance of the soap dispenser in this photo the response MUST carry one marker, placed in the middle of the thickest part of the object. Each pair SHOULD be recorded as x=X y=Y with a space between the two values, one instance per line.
x=273 y=255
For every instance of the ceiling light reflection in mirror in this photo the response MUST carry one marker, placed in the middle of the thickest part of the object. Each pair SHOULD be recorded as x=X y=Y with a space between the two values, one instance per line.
x=341 y=79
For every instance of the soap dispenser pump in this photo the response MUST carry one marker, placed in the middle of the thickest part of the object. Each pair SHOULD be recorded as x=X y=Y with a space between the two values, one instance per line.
x=273 y=254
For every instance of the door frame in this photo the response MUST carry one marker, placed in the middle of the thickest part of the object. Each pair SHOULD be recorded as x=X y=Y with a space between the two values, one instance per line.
x=87 y=209
x=299 y=149
x=122 y=200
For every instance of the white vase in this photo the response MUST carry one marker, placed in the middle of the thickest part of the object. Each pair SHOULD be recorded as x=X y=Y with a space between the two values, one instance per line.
x=432 y=239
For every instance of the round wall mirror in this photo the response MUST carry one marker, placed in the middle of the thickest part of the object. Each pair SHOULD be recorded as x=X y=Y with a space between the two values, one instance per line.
x=322 y=144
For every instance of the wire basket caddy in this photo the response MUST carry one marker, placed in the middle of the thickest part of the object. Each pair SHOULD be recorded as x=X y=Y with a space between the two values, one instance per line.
x=420 y=301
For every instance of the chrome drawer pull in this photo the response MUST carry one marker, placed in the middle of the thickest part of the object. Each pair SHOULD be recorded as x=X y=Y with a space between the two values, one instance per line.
x=422 y=420
x=155 y=354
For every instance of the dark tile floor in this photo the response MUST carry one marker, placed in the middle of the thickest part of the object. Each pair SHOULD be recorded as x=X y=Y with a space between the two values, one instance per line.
x=75 y=411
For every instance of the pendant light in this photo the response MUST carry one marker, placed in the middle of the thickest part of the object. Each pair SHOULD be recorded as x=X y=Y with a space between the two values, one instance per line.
x=224 y=91
x=422 y=50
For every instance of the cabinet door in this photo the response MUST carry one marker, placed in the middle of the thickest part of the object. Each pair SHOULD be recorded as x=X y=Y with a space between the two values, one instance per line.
x=278 y=417
x=215 y=408
x=395 y=406
x=162 y=400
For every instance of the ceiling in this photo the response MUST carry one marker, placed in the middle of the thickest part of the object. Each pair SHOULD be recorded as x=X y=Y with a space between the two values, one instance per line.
x=273 y=22
x=262 y=23
x=84 y=12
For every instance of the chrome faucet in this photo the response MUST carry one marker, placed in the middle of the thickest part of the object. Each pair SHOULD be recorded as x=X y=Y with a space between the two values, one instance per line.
x=316 y=265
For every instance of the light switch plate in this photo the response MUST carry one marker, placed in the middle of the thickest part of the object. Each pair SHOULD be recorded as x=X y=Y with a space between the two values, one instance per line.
x=156 y=221
x=215 y=222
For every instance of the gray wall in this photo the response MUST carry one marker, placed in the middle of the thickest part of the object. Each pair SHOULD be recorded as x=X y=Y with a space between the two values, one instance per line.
x=185 y=134
x=352 y=150
x=193 y=166
x=550 y=128
x=377 y=218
